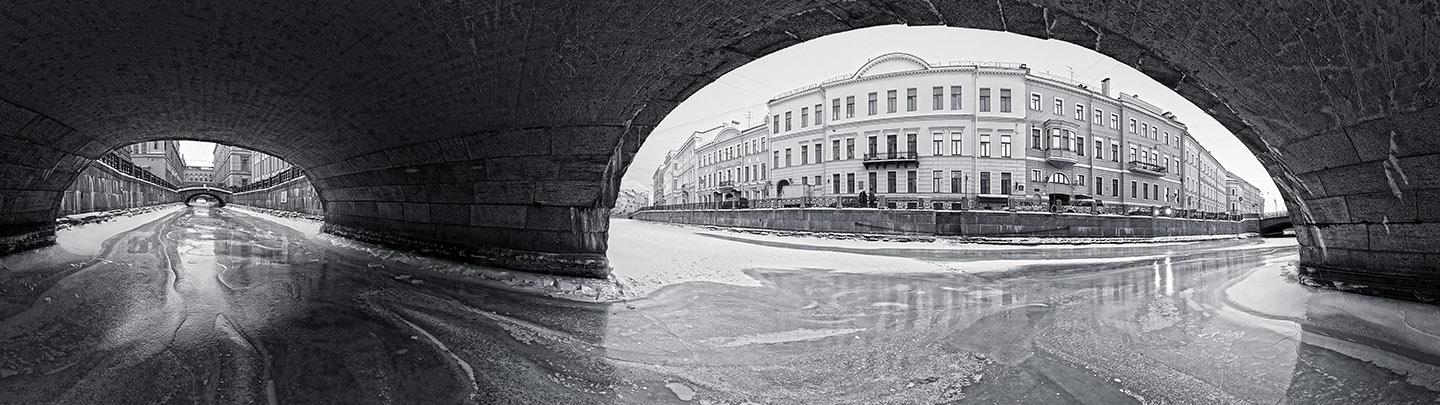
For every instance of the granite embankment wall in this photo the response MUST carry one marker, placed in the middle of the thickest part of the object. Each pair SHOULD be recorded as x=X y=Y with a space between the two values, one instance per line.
x=953 y=223
x=295 y=196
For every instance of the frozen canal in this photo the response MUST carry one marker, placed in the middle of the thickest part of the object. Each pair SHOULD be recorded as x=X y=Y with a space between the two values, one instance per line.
x=217 y=305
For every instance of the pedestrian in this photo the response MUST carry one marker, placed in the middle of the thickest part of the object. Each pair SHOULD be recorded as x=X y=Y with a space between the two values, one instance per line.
x=863 y=202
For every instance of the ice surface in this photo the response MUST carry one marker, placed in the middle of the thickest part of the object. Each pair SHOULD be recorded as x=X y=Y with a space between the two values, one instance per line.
x=646 y=256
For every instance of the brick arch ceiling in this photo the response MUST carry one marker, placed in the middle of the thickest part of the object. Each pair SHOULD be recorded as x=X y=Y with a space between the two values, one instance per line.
x=499 y=130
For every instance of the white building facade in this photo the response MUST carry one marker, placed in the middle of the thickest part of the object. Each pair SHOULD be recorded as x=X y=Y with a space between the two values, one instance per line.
x=957 y=135
x=733 y=165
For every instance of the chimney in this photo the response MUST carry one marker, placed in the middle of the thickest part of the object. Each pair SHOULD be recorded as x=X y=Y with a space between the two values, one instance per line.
x=1105 y=87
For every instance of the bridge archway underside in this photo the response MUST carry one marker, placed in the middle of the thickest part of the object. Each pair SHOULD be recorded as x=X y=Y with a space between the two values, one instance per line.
x=462 y=130
x=188 y=194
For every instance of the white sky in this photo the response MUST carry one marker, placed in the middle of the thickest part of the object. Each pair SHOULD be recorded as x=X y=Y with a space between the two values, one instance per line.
x=747 y=88
x=197 y=153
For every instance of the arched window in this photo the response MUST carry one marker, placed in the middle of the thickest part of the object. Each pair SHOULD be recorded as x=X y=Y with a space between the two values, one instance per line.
x=1059 y=178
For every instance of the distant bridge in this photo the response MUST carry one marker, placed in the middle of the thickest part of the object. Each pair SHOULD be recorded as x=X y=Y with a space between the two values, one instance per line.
x=1275 y=223
x=221 y=195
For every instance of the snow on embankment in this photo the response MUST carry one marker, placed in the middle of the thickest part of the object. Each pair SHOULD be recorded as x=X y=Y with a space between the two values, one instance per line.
x=95 y=228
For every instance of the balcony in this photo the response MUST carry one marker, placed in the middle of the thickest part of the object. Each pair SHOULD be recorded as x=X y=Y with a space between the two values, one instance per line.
x=1060 y=157
x=1147 y=168
x=891 y=157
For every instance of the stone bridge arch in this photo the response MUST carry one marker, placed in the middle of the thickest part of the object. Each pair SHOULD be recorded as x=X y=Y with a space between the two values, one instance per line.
x=460 y=128
x=188 y=194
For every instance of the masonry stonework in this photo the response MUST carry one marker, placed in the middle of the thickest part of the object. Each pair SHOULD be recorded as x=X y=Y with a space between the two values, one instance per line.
x=402 y=110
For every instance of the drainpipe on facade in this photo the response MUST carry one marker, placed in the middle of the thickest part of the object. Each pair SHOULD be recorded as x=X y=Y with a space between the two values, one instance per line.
x=974 y=129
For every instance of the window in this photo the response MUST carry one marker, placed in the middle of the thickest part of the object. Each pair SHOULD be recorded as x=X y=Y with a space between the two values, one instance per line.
x=984 y=100
x=1167 y=137
x=873 y=98
x=835 y=149
x=804 y=117
x=1005 y=183
x=984 y=182
x=1005 y=146
x=1155 y=133
x=1132 y=125
x=1114 y=187
x=890 y=101
x=776 y=127
x=1059 y=178
x=937 y=144
x=818 y=114
x=835 y=109
x=955 y=181
x=1054 y=138
x=955 y=143
x=874 y=184
x=1145 y=191
x=777 y=158
x=874 y=145
x=910 y=144
x=1035 y=176
x=937 y=100
x=1167 y=161
x=1099 y=148
x=954 y=97
x=1115 y=151
x=819 y=153
x=835 y=183
x=985 y=145
x=1080 y=112
x=911 y=96
x=1004 y=100
x=1099 y=186
x=849 y=148
x=1132 y=152
x=787 y=158
x=787 y=120
x=1034 y=101
x=1059 y=106
x=935 y=180
x=910 y=180
x=1155 y=190
x=890 y=178
x=850 y=183
x=1134 y=189
x=849 y=106
x=1079 y=179
x=1144 y=129
x=804 y=154
x=1080 y=146
x=1035 y=138
x=1096 y=119
x=1114 y=121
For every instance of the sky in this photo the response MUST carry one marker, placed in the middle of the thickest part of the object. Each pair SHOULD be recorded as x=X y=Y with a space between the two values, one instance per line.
x=746 y=89
x=197 y=153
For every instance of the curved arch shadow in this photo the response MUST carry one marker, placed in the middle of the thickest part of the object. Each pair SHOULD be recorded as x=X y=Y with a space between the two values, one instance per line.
x=407 y=153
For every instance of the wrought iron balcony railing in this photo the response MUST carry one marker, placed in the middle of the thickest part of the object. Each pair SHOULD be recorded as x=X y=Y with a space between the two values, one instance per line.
x=1147 y=168
x=903 y=156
